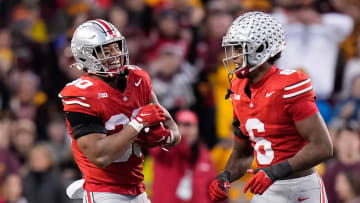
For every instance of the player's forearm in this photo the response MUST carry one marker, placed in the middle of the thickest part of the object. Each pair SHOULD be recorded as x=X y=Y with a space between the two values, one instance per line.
x=319 y=147
x=237 y=165
x=173 y=127
x=312 y=154
x=169 y=122
x=111 y=148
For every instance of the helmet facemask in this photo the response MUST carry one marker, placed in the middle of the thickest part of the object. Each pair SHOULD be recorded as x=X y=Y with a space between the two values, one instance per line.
x=232 y=52
x=247 y=56
x=107 y=64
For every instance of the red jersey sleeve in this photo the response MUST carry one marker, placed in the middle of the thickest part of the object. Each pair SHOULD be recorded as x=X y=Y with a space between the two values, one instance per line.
x=299 y=96
x=78 y=96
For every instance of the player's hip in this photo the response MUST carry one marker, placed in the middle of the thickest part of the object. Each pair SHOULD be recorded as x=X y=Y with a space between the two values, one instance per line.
x=299 y=174
x=108 y=197
x=305 y=189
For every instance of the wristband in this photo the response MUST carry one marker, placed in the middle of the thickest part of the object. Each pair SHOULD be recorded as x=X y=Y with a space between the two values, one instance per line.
x=224 y=176
x=136 y=125
x=280 y=170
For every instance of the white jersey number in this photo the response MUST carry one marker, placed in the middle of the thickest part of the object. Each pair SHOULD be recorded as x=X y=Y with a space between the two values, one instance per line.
x=80 y=83
x=264 y=152
x=122 y=119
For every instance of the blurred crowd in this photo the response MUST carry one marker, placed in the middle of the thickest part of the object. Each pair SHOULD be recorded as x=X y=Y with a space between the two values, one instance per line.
x=179 y=43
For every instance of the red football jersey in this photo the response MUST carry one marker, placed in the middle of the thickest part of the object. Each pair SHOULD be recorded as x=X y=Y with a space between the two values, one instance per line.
x=278 y=100
x=95 y=97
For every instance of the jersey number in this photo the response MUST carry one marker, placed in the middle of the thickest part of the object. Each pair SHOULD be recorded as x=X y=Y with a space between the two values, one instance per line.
x=80 y=83
x=122 y=119
x=264 y=152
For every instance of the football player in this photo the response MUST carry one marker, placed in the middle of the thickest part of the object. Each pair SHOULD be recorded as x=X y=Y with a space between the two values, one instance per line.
x=105 y=110
x=276 y=119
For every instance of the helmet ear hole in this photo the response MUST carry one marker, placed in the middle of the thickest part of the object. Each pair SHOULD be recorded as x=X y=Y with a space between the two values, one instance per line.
x=82 y=59
x=260 y=49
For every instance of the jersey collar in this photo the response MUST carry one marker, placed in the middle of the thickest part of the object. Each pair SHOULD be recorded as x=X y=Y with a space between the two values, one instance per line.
x=264 y=78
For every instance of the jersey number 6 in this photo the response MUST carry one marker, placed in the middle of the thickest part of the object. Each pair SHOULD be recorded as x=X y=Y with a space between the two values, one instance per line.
x=264 y=152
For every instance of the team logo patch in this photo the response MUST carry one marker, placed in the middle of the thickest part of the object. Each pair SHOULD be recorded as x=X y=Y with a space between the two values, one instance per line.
x=102 y=95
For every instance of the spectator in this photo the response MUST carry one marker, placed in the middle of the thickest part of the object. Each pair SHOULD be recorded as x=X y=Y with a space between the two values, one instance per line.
x=347 y=185
x=140 y=15
x=59 y=142
x=25 y=87
x=12 y=190
x=347 y=146
x=9 y=164
x=167 y=31
x=23 y=139
x=349 y=108
x=41 y=184
x=172 y=78
x=308 y=34
x=189 y=165
x=351 y=71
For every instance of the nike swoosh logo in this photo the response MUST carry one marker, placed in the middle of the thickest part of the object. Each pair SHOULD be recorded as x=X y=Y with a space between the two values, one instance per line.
x=302 y=199
x=268 y=94
x=163 y=138
x=145 y=114
x=138 y=82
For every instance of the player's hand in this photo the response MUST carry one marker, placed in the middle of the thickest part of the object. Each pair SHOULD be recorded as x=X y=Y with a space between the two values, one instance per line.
x=264 y=177
x=218 y=189
x=148 y=115
x=259 y=182
x=157 y=136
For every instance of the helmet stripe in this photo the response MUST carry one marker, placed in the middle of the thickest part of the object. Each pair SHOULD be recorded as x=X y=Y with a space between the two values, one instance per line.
x=107 y=27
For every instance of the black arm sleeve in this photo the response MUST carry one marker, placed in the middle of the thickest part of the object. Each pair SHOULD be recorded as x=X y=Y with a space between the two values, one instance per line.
x=237 y=131
x=83 y=124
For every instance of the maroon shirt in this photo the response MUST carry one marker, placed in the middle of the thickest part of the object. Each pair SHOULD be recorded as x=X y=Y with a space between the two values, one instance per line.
x=170 y=167
x=333 y=168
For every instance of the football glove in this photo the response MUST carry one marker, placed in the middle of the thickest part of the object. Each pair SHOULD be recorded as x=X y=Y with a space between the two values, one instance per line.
x=148 y=115
x=218 y=189
x=158 y=135
x=264 y=177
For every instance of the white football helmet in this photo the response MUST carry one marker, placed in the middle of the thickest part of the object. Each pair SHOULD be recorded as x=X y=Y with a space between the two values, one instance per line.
x=88 y=40
x=260 y=37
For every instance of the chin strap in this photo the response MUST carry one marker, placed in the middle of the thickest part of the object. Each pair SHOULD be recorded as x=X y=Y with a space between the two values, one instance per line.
x=122 y=78
x=229 y=91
